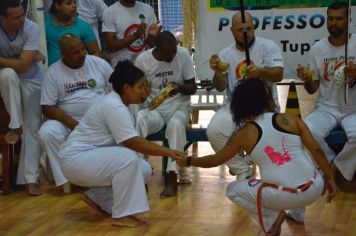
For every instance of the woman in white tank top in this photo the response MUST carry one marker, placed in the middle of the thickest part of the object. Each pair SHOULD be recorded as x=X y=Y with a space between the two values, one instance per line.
x=275 y=143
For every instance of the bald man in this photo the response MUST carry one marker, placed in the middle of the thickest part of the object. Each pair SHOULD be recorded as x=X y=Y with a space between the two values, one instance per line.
x=266 y=63
x=70 y=86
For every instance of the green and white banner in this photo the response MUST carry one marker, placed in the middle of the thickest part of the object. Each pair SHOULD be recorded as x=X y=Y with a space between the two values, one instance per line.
x=295 y=25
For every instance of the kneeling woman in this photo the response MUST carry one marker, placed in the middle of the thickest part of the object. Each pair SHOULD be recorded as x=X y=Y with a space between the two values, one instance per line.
x=101 y=152
x=274 y=142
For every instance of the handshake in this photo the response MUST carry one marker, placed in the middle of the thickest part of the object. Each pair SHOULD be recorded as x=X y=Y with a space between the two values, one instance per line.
x=181 y=158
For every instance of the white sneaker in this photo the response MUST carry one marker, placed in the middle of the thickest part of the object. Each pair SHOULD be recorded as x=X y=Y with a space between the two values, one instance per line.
x=183 y=176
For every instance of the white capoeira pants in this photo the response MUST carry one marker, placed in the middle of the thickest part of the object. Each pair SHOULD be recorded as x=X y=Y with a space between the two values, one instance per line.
x=149 y=122
x=51 y=136
x=219 y=131
x=273 y=200
x=115 y=175
x=321 y=122
x=22 y=102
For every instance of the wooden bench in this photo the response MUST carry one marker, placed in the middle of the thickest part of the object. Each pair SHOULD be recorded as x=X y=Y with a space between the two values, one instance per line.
x=7 y=151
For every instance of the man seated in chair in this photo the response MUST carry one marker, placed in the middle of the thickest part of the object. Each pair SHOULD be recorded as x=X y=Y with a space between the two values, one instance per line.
x=20 y=87
x=266 y=64
x=334 y=106
x=70 y=86
x=168 y=65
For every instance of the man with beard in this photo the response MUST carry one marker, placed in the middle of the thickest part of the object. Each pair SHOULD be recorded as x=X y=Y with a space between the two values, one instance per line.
x=326 y=56
x=266 y=64
x=70 y=86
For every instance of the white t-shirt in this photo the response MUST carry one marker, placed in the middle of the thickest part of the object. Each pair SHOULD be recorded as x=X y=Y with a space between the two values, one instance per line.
x=160 y=73
x=107 y=123
x=263 y=53
x=75 y=90
x=325 y=58
x=91 y=11
x=281 y=159
x=125 y=21
x=47 y=5
x=28 y=38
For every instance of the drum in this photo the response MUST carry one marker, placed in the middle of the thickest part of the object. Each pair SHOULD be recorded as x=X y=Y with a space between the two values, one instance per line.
x=161 y=97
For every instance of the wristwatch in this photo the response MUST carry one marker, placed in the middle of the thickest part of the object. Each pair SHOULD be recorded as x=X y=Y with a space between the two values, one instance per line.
x=189 y=161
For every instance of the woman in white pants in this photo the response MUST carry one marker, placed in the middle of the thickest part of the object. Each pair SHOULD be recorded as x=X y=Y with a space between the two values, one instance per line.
x=101 y=152
x=275 y=143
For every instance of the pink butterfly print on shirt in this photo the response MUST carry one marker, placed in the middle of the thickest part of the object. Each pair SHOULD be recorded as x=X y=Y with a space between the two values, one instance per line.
x=276 y=157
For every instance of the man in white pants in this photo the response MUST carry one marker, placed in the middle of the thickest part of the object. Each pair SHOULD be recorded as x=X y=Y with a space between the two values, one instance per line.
x=331 y=108
x=266 y=63
x=69 y=88
x=20 y=86
x=168 y=64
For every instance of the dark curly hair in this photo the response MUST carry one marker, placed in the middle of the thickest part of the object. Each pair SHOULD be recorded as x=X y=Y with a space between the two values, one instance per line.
x=251 y=97
x=53 y=10
x=125 y=72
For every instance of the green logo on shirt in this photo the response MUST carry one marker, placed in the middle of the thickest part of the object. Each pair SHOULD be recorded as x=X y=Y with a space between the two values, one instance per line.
x=92 y=83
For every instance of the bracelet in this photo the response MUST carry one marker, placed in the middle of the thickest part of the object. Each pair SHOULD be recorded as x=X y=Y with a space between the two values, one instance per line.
x=189 y=161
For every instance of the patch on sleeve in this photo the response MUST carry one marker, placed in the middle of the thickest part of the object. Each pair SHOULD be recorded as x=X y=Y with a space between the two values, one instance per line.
x=253 y=182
